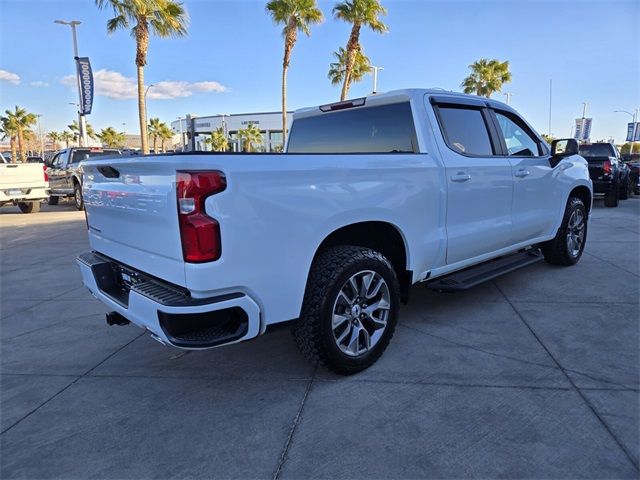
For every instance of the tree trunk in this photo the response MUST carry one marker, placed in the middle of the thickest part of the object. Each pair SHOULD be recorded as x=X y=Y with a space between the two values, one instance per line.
x=162 y=145
x=155 y=144
x=142 y=114
x=353 y=46
x=142 y=45
x=289 y=41
x=14 y=149
x=23 y=157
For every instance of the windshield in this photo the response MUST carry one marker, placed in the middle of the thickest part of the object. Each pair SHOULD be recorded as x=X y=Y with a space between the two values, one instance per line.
x=597 y=150
x=83 y=154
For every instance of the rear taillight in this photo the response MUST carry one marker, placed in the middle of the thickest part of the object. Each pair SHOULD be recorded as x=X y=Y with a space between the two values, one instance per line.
x=44 y=170
x=200 y=233
x=606 y=167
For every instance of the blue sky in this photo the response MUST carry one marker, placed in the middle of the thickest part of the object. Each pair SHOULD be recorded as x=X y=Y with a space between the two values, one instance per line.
x=591 y=50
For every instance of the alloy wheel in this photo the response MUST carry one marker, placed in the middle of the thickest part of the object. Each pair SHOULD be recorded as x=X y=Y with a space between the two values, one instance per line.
x=575 y=233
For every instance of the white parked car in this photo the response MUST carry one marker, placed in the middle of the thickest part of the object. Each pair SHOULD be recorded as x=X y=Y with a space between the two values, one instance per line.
x=23 y=184
x=372 y=196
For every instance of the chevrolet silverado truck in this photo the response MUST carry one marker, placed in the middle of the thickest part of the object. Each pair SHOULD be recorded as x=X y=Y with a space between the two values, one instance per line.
x=65 y=172
x=23 y=184
x=609 y=174
x=372 y=195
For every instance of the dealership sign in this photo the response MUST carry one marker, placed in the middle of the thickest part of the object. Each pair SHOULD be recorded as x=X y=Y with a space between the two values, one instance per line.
x=85 y=78
x=583 y=129
x=633 y=132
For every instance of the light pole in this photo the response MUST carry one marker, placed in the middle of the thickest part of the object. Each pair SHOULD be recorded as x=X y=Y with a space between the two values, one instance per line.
x=508 y=95
x=375 y=77
x=41 y=137
x=81 y=118
x=634 y=116
x=124 y=134
x=145 y=99
x=181 y=134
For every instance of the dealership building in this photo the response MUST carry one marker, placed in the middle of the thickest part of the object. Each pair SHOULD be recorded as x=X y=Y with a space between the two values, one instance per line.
x=194 y=130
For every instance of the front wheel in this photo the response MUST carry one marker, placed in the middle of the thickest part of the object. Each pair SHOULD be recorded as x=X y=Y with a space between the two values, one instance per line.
x=350 y=309
x=29 y=207
x=567 y=246
x=77 y=196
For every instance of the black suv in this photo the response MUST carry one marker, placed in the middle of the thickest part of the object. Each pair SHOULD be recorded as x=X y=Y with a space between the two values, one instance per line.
x=610 y=176
x=65 y=175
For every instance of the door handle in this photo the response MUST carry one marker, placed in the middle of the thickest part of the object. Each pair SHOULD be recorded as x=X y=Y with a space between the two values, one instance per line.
x=460 y=177
x=523 y=172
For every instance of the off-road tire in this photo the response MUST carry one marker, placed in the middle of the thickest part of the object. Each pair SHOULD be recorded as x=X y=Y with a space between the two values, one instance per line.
x=29 y=207
x=556 y=251
x=612 y=197
x=53 y=200
x=77 y=196
x=313 y=332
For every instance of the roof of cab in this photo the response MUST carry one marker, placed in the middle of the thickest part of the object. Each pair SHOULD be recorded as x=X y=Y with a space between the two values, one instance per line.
x=408 y=93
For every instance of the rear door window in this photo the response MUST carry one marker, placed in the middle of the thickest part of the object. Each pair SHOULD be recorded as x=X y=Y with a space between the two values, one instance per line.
x=83 y=154
x=465 y=130
x=379 y=129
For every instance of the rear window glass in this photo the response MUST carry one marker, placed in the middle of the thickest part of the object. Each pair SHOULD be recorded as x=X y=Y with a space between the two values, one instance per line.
x=465 y=130
x=596 y=150
x=381 y=129
x=81 y=155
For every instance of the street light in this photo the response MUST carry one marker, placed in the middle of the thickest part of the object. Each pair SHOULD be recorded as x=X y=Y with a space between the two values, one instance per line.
x=81 y=119
x=375 y=78
x=634 y=116
x=181 y=134
x=508 y=95
x=41 y=137
x=145 y=100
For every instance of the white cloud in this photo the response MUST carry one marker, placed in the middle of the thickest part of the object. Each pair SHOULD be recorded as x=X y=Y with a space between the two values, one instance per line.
x=39 y=83
x=10 y=77
x=109 y=83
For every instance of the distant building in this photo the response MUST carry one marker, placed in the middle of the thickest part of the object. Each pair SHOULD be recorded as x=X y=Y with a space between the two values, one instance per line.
x=195 y=130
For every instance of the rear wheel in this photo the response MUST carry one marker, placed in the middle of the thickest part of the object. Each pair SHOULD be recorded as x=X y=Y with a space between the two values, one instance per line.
x=53 y=200
x=350 y=309
x=612 y=197
x=77 y=196
x=29 y=207
x=567 y=246
x=624 y=189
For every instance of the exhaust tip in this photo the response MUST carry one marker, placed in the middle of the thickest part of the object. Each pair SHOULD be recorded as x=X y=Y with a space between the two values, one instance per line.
x=114 y=318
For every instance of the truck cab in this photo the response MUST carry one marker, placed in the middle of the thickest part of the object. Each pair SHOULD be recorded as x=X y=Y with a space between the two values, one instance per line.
x=65 y=173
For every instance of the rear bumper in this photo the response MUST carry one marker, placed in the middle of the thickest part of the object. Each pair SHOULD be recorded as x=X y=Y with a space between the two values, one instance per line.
x=602 y=186
x=25 y=195
x=167 y=311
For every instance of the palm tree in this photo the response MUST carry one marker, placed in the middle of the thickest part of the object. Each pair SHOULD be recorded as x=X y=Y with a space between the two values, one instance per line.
x=486 y=77
x=165 y=134
x=295 y=15
x=66 y=136
x=155 y=126
x=75 y=130
x=111 y=138
x=10 y=131
x=358 y=13
x=218 y=140
x=250 y=136
x=19 y=120
x=55 y=138
x=164 y=18
x=337 y=69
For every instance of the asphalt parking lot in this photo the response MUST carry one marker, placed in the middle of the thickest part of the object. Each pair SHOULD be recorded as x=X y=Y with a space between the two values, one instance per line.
x=534 y=375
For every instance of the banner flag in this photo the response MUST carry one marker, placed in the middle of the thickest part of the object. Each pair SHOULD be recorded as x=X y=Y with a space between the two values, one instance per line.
x=85 y=76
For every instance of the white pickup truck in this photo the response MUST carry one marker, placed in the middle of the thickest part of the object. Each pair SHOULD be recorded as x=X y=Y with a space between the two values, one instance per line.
x=372 y=196
x=23 y=184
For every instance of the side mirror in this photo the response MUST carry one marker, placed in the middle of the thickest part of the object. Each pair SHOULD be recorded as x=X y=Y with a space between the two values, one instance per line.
x=561 y=148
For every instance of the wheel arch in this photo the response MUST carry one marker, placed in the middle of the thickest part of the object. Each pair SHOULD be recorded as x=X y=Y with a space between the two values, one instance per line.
x=583 y=193
x=380 y=236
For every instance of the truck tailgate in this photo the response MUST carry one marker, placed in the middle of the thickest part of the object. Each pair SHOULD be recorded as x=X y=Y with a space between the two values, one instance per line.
x=132 y=214
x=21 y=175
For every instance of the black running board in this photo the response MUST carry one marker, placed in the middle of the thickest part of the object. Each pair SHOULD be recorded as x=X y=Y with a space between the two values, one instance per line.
x=472 y=276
